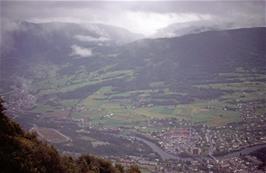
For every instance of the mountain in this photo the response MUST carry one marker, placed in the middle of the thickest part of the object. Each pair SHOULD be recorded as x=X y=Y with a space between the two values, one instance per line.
x=58 y=39
x=23 y=152
x=178 y=62
x=31 y=43
x=173 y=61
x=98 y=94
x=180 y=29
x=207 y=51
x=183 y=57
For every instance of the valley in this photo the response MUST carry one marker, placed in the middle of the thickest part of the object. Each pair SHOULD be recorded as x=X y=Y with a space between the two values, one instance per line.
x=194 y=98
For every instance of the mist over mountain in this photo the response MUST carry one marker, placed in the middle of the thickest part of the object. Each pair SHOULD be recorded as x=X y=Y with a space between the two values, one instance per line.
x=59 y=36
x=174 y=61
x=169 y=86
x=180 y=29
x=105 y=91
x=58 y=42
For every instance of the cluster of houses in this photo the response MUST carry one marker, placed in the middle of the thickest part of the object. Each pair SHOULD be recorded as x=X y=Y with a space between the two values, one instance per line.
x=19 y=100
x=205 y=144
x=184 y=137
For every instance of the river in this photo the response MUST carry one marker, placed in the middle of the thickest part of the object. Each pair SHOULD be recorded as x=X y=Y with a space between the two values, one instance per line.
x=165 y=156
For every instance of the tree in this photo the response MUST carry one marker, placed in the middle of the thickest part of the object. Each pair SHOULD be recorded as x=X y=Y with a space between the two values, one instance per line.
x=134 y=169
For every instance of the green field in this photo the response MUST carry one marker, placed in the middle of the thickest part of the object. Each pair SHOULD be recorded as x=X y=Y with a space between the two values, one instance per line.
x=103 y=110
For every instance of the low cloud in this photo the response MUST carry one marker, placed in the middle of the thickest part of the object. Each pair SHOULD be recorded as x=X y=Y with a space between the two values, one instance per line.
x=80 y=51
x=139 y=17
x=149 y=23
x=6 y=38
x=87 y=38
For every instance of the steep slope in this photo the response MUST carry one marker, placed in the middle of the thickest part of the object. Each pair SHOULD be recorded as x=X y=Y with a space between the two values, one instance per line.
x=22 y=152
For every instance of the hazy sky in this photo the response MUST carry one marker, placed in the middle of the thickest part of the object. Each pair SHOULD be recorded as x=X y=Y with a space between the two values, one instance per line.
x=137 y=16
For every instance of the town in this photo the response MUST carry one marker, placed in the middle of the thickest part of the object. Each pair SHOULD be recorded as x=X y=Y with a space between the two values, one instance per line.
x=182 y=145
